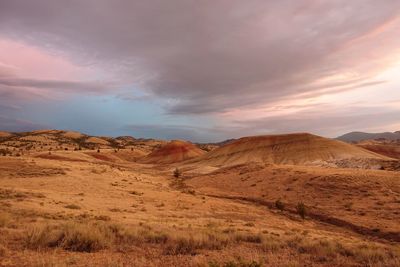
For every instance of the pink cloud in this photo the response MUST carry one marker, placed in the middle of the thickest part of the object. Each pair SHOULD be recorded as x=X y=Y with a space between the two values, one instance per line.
x=33 y=62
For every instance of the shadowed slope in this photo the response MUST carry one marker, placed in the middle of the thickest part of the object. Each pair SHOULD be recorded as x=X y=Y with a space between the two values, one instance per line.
x=384 y=147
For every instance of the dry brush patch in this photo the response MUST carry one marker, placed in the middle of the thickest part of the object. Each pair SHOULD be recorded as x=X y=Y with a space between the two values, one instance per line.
x=18 y=195
x=23 y=168
x=95 y=236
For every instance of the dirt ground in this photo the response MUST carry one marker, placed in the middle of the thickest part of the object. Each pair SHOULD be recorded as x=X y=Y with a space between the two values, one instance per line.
x=77 y=208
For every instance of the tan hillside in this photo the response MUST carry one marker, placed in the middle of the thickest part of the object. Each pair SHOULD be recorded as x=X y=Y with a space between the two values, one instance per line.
x=64 y=202
x=47 y=131
x=38 y=138
x=73 y=134
x=298 y=148
x=174 y=151
x=97 y=140
x=358 y=196
x=5 y=134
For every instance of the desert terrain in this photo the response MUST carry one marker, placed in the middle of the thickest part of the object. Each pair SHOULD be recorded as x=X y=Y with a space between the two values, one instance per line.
x=69 y=199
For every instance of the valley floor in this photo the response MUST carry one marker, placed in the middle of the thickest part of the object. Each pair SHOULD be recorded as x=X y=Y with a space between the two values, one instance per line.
x=82 y=209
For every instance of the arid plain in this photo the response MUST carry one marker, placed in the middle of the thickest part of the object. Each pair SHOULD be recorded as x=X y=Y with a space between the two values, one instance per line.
x=68 y=199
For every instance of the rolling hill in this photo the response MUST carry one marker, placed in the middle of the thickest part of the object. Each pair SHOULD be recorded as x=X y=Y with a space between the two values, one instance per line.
x=360 y=136
x=298 y=148
x=174 y=151
x=389 y=148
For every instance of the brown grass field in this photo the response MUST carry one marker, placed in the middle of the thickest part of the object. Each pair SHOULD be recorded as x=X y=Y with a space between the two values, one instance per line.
x=80 y=207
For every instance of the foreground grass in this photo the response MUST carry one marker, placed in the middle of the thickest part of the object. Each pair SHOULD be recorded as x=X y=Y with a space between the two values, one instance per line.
x=96 y=236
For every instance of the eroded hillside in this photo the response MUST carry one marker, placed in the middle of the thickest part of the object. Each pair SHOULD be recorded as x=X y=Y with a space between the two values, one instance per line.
x=107 y=207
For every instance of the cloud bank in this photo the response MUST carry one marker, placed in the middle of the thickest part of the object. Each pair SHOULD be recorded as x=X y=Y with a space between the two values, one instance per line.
x=211 y=57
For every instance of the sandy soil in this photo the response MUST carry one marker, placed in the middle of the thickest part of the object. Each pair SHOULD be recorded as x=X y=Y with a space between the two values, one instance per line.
x=89 y=208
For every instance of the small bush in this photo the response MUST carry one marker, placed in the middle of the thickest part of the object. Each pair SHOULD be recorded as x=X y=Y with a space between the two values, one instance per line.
x=301 y=210
x=115 y=210
x=248 y=237
x=72 y=207
x=189 y=244
x=279 y=205
x=136 y=193
x=3 y=251
x=182 y=246
x=177 y=173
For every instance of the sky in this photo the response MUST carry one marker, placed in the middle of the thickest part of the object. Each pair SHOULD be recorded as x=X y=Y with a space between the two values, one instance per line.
x=203 y=71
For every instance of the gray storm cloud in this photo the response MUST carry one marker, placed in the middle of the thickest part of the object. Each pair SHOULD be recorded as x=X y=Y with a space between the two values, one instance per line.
x=210 y=56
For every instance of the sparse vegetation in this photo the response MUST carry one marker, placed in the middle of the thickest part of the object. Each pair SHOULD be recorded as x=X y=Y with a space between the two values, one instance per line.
x=69 y=236
x=91 y=237
x=126 y=213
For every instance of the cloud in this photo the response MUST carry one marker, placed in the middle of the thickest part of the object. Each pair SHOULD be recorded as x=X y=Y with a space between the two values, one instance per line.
x=170 y=132
x=17 y=125
x=254 y=66
x=59 y=85
x=212 y=56
x=334 y=121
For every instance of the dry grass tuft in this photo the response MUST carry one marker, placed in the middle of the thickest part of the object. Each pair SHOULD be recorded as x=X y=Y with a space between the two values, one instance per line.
x=70 y=236
x=191 y=243
x=248 y=237
x=72 y=207
x=94 y=236
x=327 y=250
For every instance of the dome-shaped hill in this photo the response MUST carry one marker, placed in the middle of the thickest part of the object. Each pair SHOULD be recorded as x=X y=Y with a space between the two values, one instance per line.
x=298 y=148
x=174 y=151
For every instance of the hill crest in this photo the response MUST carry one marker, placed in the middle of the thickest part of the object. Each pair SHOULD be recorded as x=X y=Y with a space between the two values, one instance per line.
x=296 y=148
x=174 y=151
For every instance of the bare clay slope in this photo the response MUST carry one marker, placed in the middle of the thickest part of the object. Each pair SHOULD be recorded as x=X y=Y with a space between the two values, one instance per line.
x=383 y=146
x=174 y=151
x=298 y=148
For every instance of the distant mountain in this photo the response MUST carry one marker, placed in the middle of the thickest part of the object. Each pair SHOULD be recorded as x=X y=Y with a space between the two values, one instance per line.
x=359 y=136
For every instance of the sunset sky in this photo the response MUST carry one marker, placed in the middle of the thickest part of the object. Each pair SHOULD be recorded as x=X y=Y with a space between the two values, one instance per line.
x=203 y=70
